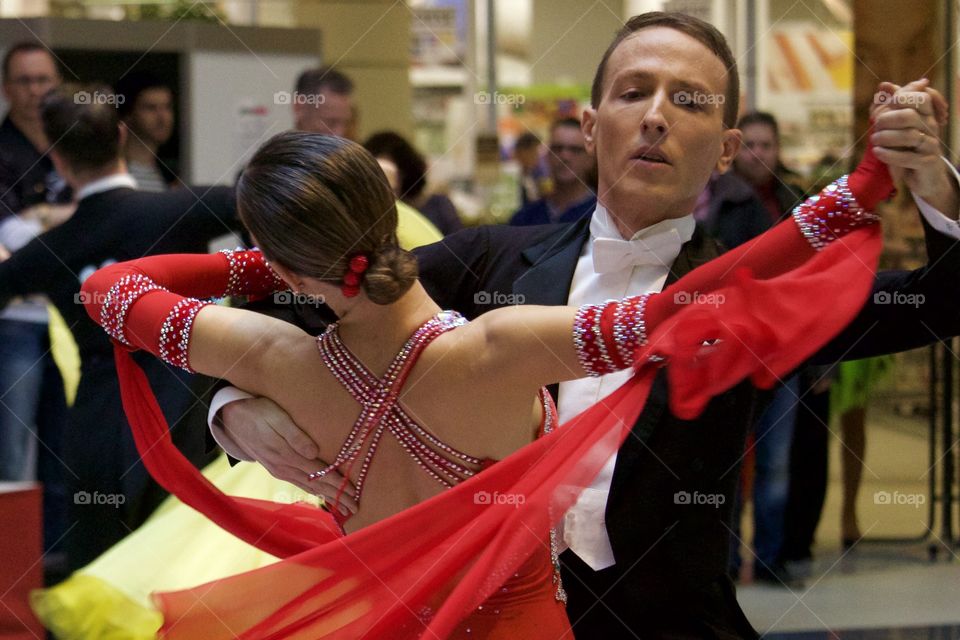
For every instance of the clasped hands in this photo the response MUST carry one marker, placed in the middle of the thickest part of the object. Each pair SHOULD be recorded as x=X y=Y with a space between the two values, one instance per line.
x=906 y=126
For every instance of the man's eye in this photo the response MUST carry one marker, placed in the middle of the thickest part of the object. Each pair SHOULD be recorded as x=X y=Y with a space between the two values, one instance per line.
x=631 y=94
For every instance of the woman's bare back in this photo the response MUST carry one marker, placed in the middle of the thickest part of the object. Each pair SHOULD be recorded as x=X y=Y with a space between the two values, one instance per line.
x=449 y=393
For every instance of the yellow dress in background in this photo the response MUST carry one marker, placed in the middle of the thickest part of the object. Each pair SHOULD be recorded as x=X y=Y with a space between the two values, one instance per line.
x=176 y=548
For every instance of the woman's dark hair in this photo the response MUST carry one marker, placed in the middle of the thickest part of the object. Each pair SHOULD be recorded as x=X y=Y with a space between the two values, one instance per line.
x=314 y=201
x=410 y=164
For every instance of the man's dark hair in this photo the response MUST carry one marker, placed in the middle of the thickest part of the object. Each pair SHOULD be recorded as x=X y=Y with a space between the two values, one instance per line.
x=760 y=117
x=701 y=31
x=82 y=123
x=313 y=81
x=527 y=140
x=410 y=164
x=565 y=122
x=27 y=46
x=129 y=88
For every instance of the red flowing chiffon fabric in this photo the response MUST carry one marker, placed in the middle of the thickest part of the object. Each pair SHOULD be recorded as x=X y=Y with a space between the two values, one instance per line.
x=419 y=573
x=758 y=312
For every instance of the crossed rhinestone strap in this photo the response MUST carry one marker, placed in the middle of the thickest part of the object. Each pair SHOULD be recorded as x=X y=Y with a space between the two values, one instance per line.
x=382 y=412
x=607 y=336
x=831 y=214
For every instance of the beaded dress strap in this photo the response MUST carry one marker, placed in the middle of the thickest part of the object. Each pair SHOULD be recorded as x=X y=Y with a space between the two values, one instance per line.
x=381 y=411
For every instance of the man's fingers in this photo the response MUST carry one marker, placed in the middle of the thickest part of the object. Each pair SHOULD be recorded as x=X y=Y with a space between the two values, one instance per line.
x=906 y=140
x=297 y=439
x=291 y=475
x=904 y=119
x=903 y=159
x=334 y=485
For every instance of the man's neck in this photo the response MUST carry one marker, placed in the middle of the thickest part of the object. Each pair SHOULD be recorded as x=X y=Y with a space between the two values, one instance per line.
x=565 y=195
x=140 y=151
x=32 y=129
x=81 y=180
x=629 y=220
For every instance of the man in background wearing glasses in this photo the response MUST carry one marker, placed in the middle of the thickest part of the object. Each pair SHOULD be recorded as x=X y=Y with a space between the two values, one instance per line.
x=572 y=171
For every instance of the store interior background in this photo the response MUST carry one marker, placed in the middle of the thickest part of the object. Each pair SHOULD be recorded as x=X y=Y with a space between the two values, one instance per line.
x=464 y=78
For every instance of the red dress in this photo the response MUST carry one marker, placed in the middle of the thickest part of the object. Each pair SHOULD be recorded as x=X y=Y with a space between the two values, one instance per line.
x=428 y=570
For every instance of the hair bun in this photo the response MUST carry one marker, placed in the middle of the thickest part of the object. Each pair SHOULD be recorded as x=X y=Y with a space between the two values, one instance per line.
x=391 y=273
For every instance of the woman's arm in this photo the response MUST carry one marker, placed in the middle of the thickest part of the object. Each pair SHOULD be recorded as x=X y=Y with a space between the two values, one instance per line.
x=162 y=304
x=534 y=346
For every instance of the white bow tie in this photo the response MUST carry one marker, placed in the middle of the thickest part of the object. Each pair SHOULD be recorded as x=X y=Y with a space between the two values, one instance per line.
x=659 y=250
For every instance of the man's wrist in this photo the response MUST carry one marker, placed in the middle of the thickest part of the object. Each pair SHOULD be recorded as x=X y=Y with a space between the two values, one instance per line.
x=943 y=192
x=221 y=399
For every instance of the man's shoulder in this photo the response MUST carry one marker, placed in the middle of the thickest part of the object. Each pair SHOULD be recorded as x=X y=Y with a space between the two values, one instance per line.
x=536 y=212
x=16 y=149
x=501 y=237
x=171 y=200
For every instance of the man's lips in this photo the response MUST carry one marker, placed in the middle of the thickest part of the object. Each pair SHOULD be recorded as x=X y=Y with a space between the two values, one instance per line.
x=650 y=154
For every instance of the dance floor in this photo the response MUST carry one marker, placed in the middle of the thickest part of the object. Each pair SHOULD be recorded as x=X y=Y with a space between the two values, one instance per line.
x=877 y=590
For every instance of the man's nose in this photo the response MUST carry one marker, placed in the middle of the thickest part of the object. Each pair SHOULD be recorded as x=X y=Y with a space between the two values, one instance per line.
x=654 y=120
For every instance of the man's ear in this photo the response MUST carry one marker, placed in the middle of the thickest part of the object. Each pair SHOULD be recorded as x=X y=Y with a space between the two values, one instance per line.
x=123 y=133
x=588 y=125
x=297 y=114
x=730 y=145
x=60 y=165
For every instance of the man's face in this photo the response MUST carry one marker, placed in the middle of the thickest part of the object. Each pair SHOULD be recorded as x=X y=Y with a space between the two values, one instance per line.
x=569 y=161
x=757 y=159
x=658 y=130
x=32 y=74
x=330 y=114
x=152 y=117
x=527 y=158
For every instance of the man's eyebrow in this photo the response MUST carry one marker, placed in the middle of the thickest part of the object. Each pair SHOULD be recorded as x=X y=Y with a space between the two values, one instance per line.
x=641 y=74
x=691 y=85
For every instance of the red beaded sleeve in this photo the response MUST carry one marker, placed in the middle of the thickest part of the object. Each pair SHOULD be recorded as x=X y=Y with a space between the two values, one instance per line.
x=151 y=303
x=607 y=335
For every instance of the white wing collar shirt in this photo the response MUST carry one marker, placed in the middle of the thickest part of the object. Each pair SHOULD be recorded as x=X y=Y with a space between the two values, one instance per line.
x=610 y=268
